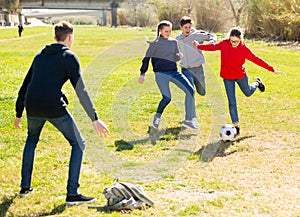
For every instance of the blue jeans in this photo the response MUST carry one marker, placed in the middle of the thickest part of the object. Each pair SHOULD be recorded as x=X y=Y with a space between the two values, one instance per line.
x=196 y=77
x=67 y=126
x=163 y=80
x=246 y=88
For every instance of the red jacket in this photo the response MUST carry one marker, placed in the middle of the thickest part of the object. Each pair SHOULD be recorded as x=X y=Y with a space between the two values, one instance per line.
x=233 y=59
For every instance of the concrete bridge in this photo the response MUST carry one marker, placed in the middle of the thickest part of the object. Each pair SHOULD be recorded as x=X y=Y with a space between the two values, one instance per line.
x=70 y=4
x=100 y=8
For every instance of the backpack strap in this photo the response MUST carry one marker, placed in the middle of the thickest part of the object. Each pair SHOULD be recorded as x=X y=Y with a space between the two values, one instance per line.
x=121 y=191
x=137 y=192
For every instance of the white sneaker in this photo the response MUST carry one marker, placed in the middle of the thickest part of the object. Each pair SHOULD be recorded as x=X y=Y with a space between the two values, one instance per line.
x=195 y=121
x=190 y=124
x=155 y=122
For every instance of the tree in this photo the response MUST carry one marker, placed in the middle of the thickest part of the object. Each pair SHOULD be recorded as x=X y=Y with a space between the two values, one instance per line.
x=11 y=6
x=172 y=10
x=237 y=8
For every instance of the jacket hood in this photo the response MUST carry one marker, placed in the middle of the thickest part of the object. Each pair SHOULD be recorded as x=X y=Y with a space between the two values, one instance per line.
x=54 y=48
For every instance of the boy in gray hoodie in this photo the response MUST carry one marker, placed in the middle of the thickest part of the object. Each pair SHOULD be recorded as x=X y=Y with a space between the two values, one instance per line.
x=191 y=63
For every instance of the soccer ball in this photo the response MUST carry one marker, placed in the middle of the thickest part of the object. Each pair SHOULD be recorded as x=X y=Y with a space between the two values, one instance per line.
x=227 y=132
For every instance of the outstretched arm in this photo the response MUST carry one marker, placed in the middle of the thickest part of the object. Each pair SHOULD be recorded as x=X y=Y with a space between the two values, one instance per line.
x=207 y=47
x=278 y=72
x=100 y=127
x=260 y=62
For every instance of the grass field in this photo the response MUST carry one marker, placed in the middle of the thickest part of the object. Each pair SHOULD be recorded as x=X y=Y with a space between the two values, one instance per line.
x=186 y=173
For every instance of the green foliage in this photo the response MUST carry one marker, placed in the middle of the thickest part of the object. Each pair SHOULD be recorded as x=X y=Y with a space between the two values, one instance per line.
x=10 y=6
x=277 y=20
x=208 y=15
x=172 y=11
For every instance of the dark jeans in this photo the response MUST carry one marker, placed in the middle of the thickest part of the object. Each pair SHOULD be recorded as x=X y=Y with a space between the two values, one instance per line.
x=67 y=126
x=163 y=80
x=246 y=88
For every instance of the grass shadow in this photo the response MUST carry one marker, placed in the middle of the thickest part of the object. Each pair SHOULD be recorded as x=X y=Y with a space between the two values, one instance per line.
x=100 y=208
x=154 y=135
x=56 y=210
x=6 y=202
x=217 y=149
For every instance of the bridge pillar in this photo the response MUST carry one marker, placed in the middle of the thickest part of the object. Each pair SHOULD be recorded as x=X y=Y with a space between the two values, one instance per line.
x=114 y=9
x=104 y=17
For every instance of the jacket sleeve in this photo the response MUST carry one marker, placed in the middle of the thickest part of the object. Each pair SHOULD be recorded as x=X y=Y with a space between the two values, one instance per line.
x=75 y=76
x=146 y=59
x=257 y=60
x=204 y=36
x=145 y=65
x=21 y=94
x=210 y=47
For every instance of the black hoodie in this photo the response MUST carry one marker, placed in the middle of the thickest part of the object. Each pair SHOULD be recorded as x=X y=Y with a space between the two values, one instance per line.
x=41 y=92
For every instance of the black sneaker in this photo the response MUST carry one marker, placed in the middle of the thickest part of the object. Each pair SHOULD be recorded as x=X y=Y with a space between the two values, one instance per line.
x=25 y=191
x=261 y=85
x=237 y=130
x=78 y=199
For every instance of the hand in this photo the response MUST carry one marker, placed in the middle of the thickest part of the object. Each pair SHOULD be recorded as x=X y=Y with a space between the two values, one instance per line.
x=195 y=43
x=100 y=127
x=180 y=55
x=17 y=123
x=141 y=79
x=277 y=72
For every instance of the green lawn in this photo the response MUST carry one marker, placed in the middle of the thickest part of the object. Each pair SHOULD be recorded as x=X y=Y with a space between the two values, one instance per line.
x=186 y=173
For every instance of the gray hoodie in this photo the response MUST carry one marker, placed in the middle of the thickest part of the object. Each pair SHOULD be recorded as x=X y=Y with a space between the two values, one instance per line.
x=193 y=57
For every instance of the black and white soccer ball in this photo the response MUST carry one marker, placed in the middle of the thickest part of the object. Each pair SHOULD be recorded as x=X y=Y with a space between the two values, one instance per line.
x=227 y=132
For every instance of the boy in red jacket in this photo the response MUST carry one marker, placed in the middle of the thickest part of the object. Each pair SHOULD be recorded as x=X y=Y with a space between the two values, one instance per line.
x=233 y=55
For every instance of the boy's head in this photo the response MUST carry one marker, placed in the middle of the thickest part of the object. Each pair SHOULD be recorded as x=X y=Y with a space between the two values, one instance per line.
x=186 y=25
x=64 y=32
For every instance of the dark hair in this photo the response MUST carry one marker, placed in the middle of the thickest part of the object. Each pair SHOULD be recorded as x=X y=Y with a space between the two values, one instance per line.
x=236 y=32
x=62 y=30
x=184 y=20
x=161 y=25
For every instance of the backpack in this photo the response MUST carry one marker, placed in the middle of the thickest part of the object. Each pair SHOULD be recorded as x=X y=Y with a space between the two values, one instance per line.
x=126 y=196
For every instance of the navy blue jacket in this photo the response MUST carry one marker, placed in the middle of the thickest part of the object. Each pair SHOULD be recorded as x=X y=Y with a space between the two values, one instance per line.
x=163 y=54
x=41 y=92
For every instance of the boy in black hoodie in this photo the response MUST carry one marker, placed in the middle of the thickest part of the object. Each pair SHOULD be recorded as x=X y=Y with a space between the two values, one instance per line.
x=43 y=99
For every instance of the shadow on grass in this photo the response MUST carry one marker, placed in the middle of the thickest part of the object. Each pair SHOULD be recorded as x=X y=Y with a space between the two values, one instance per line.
x=100 y=208
x=6 y=202
x=104 y=209
x=154 y=135
x=56 y=210
x=217 y=149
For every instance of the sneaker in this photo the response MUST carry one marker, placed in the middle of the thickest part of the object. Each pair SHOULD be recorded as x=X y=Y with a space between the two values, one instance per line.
x=156 y=121
x=25 y=191
x=78 y=199
x=237 y=130
x=195 y=121
x=190 y=124
x=261 y=85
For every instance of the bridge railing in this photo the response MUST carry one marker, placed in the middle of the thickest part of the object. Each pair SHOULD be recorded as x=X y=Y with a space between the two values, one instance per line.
x=67 y=4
